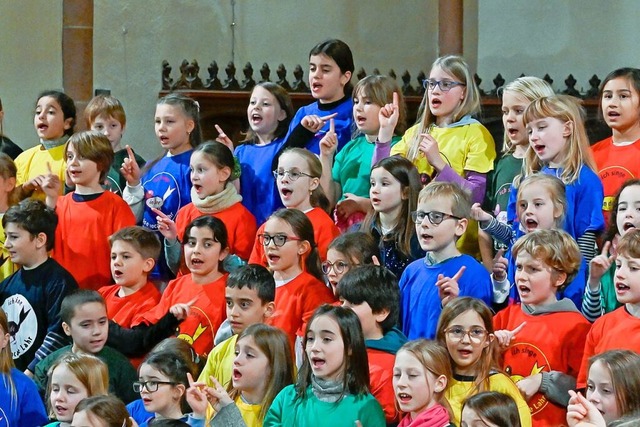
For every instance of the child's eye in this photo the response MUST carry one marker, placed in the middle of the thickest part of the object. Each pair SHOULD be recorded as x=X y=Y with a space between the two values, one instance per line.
x=397 y=375
x=327 y=340
x=245 y=305
x=229 y=303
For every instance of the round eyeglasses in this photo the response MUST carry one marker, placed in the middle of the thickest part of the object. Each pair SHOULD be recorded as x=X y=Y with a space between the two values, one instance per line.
x=293 y=174
x=445 y=85
x=277 y=239
x=338 y=267
x=435 y=217
x=457 y=333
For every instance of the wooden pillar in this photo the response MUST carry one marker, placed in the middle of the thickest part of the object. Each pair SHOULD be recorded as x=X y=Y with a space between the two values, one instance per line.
x=450 y=29
x=77 y=53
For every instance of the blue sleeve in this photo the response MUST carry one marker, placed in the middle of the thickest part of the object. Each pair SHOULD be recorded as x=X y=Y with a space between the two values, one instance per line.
x=475 y=281
x=588 y=203
x=32 y=411
x=512 y=214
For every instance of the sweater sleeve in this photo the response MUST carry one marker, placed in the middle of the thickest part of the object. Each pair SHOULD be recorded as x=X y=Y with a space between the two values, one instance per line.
x=475 y=182
x=556 y=385
x=592 y=304
x=140 y=339
x=382 y=151
x=499 y=231
x=229 y=416
x=134 y=196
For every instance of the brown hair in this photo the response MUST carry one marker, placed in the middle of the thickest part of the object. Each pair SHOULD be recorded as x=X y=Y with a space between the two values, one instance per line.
x=318 y=198
x=284 y=100
x=555 y=248
x=494 y=407
x=488 y=361
x=111 y=411
x=629 y=244
x=143 y=240
x=623 y=366
x=106 y=106
x=93 y=146
x=379 y=90
x=9 y=170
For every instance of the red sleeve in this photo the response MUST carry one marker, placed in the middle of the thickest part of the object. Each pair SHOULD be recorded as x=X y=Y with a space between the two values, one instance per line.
x=316 y=294
x=257 y=254
x=245 y=233
x=579 y=335
x=593 y=337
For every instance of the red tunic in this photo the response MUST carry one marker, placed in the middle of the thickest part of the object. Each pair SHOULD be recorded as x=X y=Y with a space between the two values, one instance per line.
x=82 y=236
x=127 y=311
x=206 y=315
x=548 y=342
x=381 y=382
x=617 y=330
x=295 y=303
x=241 y=226
x=324 y=231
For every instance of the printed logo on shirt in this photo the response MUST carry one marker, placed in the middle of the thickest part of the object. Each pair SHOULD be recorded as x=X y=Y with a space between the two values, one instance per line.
x=23 y=324
x=523 y=360
x=161 y=193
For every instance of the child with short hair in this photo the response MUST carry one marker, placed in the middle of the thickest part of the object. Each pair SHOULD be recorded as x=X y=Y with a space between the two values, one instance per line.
x=134 y=251
x=101 y=213
x=32 y=296
x=84 y=319
x=250 y=293
x=619 y=329
x=105 y=114
x=371 y=291
x=543 y=338
x=8 y=198
x=428 y=284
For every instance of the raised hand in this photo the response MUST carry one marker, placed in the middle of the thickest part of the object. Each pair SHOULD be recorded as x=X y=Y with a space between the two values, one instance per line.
x=329 y=143
x=388 y=118
x=223 y=138
x=599 y=265
x=505 y=337
x=181 y=310
x=166 y=226
x=130 y=169
x=478 y=214
x=351 y=204
x=314 y=123
x=448 y=287
x=582 y=413
x=500 y=265
x=197 y=397
x=217 y=395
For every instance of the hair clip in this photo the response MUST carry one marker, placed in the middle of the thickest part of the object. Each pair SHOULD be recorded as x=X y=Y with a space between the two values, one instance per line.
x=197 y=105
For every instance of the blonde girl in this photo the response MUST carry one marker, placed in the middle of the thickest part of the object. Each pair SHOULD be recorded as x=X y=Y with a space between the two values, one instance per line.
x=465 y=328
x=333 y=383
x=292 y=257
x=420 y=376
x=613 y=387
x=394 y=188
x=269 y=113
x=559 y=146
x=164 y=184
x=616 y=156
x=600 y=297
x=54 y=119
x=19 y=400
x=73 y=377
x=263 y=366
x=298 y=181
x=212 y=169
x=516 y=97
x=346 y=178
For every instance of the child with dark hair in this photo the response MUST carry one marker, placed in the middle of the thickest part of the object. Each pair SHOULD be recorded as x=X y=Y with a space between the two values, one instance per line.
x=32 y=296
x=372 y=293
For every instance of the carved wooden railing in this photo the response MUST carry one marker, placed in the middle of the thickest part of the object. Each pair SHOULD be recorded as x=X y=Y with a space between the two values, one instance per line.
x=225 y=102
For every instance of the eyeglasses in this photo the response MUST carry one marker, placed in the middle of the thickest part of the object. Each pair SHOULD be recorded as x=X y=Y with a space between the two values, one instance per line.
x=151 y=386
x=339 y=267
x=278 y=239
x=435 y=217
x=456 y=333
x=293 y=174
x=445 y=85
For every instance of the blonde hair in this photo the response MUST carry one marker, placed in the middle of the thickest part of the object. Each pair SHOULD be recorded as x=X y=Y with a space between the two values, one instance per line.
x=9 y=170
x=88 y=369
x=555 y=248
x=629 y=244
x=457 y=67
x=379 y=90
x=529 y=87
x=556 y=189
x=460 y=199
x=578 y=153
x=434 y=357
x=318 y=198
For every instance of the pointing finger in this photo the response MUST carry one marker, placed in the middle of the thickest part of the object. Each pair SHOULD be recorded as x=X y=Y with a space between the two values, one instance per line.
x=220 y=131
x=190 y=303
x=49 y=168
x=499 y=255
x=395 y=99
x=159 y=213
x=130 y=153
x=330 y=116
x=605 y=248
x=459 y=273
x=518 y=329
x=332 y=126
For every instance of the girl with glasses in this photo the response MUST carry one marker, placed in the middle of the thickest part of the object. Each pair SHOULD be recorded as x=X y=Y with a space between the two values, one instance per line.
x=465 y=328
x=298 y=180
x=347 y=251
x=447 y=144
x=162 y=384
x=292 y=256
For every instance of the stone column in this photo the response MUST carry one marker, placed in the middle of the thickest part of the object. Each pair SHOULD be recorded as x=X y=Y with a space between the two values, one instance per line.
x=450 y=29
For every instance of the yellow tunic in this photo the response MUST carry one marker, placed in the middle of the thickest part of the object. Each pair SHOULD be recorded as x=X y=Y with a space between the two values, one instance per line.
x=33 y=162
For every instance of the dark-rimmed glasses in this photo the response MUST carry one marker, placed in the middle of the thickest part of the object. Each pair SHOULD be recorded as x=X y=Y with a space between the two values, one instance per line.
x=435 y=217
x=151 y=386
x=445 y=85
x=277 y=239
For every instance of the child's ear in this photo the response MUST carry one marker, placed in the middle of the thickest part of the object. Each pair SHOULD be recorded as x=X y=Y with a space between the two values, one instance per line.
x=179 y=390
x=67 y=123
x=10 y=184
x=313 y=184
x=461 y=226
x=303 y=247
x=441 y=384
x=41 y=240
x=567 y=128
x=226 y=173
x=559 y=278
x=148 y=265
x=269 y=309
x=223 y=254
x=381 y=315
x=489 y=340
x=282 y=116
x=344 y=79
x=66 y=328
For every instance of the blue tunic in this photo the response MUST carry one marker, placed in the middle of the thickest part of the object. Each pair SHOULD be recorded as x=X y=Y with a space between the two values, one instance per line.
x=25 y=409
